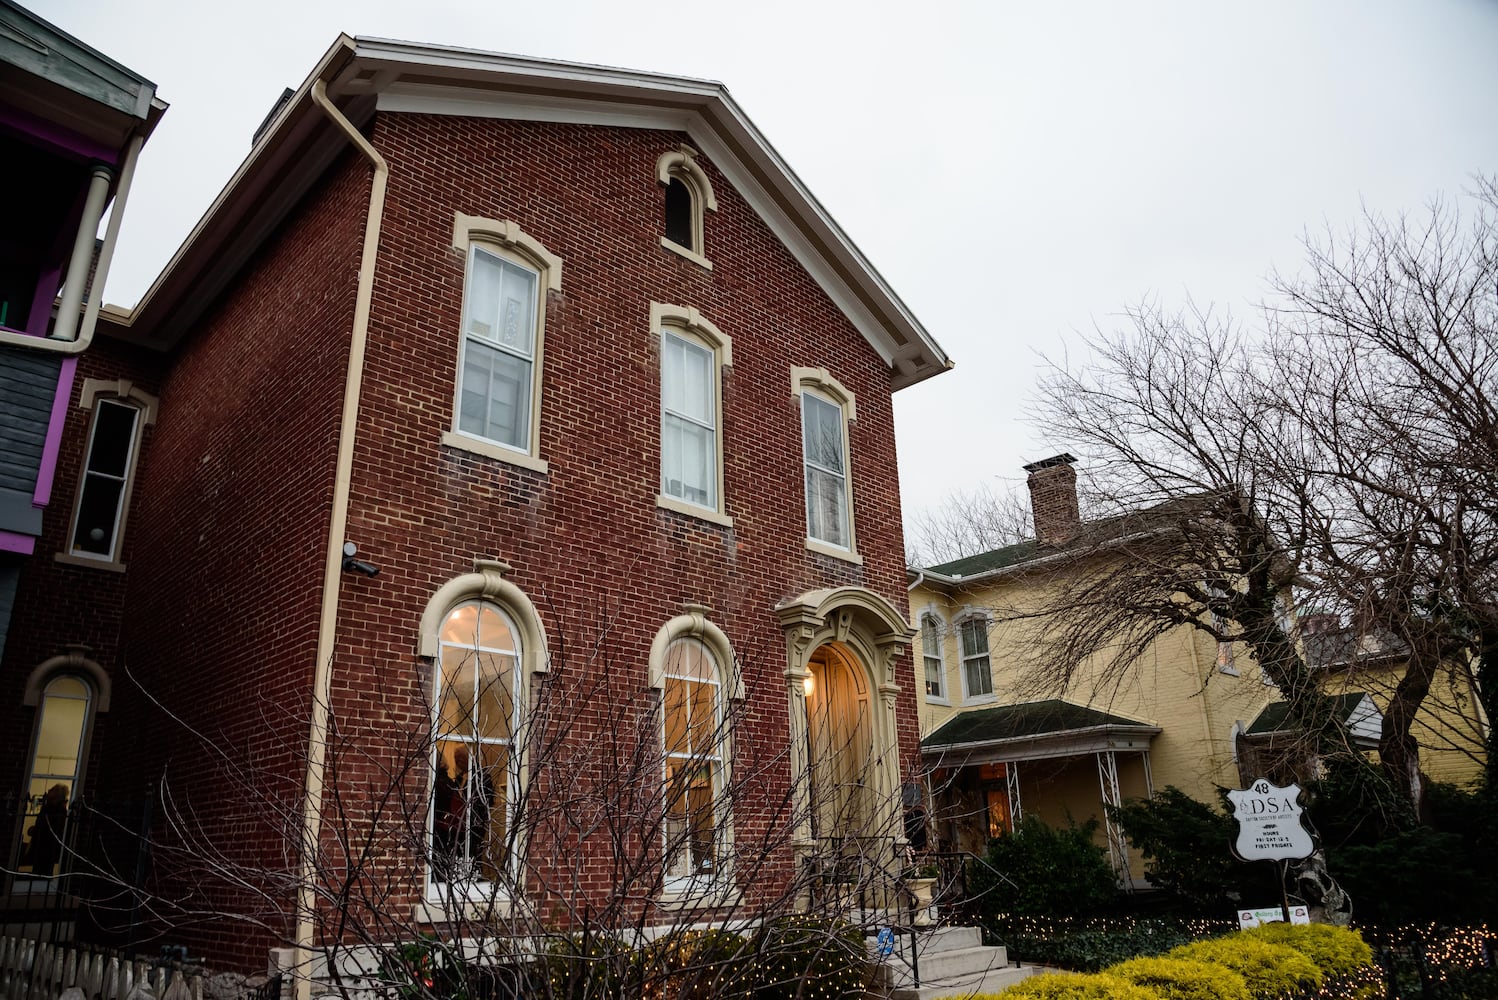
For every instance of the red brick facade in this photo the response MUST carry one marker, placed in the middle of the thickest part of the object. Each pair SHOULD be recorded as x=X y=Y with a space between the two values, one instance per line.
x=230 y=520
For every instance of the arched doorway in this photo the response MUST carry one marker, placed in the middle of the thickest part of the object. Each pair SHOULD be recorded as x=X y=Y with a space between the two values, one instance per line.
x=840 y=745
x=841 y=648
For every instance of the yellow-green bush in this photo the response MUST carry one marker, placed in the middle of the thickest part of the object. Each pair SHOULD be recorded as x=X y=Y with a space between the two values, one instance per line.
x=1337 y=951
x=1269 y=969
x=1074 y=986
x=1180 y=979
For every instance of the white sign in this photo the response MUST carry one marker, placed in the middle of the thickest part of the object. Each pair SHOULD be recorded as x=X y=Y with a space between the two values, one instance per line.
x=1269 y=824
x=1272 y=915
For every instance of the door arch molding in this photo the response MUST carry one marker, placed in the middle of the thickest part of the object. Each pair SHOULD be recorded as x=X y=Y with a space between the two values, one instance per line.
x=872 y=633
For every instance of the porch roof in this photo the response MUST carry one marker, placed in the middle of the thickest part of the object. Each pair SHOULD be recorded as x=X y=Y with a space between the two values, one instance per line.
x=1033 y=730
x=1354 y=709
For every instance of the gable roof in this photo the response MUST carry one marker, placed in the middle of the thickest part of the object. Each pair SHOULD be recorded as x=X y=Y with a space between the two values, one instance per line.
x=363 y=75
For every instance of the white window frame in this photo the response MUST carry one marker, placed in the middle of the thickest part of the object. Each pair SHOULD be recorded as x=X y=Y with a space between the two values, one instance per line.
x=821 y=385
x=690 y=326
x=507 y=242
x=487 y=585
x=93 y=396
x=477 y=888
x=718 y=887
x=982 y=625
x=680 y=164
x=933 y=633
x=712 y=760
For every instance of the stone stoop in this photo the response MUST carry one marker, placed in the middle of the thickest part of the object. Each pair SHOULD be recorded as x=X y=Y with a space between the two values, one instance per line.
x=954 y=962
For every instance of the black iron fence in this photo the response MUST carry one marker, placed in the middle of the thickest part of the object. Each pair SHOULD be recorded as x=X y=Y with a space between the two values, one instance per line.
x=76 y=874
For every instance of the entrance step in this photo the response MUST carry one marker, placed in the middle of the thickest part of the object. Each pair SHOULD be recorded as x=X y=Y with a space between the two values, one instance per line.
x=953 y=962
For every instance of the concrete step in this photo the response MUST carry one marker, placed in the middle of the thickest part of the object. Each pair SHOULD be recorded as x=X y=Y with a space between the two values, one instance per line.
x=991 y=981
x=952 y=961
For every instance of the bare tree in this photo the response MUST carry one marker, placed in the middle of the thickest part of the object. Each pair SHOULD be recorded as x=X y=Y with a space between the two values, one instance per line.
x=1342 y=461
x=967 y=523
x=634 y=852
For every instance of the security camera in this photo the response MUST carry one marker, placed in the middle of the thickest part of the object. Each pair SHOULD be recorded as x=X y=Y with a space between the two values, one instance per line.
x=357 y=565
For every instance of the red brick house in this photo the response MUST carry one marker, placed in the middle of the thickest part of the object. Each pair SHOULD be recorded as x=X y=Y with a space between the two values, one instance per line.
x=518 y=439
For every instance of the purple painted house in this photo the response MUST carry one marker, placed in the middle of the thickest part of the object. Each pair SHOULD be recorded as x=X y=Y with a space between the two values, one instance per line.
x=72 y=123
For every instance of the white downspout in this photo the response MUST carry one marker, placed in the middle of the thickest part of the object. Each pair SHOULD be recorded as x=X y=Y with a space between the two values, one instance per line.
x=62 y=340
x=333 y=567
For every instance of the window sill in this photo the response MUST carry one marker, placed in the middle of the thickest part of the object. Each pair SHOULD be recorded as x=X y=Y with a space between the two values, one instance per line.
x=450 y=911
x=478 y=446
x=835 y=551
x=934 y=700
x=695 y=258
x=68 y=559
x=980 y=699
x=692 y=510
x=699 y=897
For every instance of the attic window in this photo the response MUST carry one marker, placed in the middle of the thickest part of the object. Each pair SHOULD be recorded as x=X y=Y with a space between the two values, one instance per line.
x=679 y=214
x=688 y=195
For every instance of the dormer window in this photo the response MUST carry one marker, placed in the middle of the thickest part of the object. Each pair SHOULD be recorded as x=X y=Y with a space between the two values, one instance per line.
x=688 y=195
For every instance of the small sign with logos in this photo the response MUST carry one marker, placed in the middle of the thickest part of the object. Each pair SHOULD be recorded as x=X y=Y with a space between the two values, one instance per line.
x=1272 y=915
x=884 y=941
x=1270 y=827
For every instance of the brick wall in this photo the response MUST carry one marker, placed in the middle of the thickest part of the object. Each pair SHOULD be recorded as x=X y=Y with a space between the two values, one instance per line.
x=60 y=604
x=225 y=577
x=231 y=517
x=604 y=565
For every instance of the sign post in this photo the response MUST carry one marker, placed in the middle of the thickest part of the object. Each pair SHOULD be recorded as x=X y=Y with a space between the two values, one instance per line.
x=1271 y=828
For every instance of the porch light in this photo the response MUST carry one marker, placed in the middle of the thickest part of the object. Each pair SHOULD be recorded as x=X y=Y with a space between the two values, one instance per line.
x=809 y=683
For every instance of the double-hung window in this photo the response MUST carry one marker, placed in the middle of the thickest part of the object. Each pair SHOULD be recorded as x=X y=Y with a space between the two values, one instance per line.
x=693 y=357
x=826 y=411
x=497 y=406
x=931 y=655
x=693 y=740
x=121 y=412
x=977 y=675
x=689 y=417
x=499 y=350
x=826 y=472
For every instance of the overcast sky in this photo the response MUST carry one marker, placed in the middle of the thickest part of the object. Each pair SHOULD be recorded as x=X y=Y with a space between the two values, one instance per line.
x=1017 y=171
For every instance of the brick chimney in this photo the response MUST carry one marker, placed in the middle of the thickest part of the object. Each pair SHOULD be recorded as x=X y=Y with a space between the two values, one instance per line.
x=1053 y=499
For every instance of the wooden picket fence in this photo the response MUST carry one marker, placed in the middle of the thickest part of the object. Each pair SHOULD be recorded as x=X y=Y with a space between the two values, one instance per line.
x=34 y=970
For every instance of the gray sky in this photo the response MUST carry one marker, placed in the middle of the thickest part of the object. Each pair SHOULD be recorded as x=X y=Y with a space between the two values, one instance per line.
x=1018 y=172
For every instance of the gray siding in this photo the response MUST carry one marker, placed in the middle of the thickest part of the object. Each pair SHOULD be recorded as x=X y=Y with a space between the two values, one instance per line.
x=28 y=383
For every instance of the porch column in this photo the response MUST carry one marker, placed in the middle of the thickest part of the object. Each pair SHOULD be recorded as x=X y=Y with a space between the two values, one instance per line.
x=1118 y=846
x=69 y=309
x=1011 y=783
x=890 y=816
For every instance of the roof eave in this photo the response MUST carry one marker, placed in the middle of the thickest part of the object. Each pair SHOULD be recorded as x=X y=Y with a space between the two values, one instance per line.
x=1065 y=743
x=364 y=67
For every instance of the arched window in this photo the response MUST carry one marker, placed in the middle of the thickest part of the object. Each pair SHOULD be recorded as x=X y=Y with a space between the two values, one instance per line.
x=475 y=785
x=57 y=753
x=688 y=194
x=692 y=732
x=933 y=661
x=691 y=663
x=484 y=639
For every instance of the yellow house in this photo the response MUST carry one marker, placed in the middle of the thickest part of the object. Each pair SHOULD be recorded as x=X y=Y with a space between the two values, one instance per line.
x=998 y=743
x=1362 y=671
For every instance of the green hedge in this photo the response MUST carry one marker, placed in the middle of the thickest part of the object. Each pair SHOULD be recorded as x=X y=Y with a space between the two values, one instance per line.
x=1265 y=964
